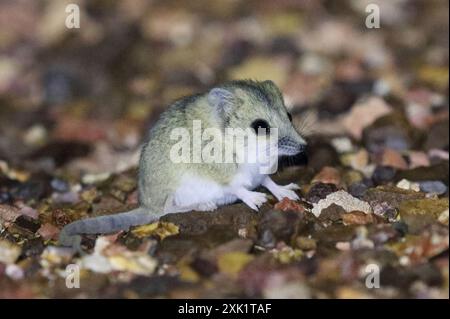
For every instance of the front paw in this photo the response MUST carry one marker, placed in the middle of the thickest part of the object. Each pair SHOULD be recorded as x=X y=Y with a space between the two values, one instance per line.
x=286 y=191
x=291 y=186
x=254 y=200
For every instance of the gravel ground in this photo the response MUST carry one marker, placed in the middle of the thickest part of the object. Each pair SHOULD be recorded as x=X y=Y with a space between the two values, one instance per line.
x=75 y=105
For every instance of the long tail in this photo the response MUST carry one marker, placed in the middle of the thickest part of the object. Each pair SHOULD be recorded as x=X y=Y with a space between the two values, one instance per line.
x=70 y=234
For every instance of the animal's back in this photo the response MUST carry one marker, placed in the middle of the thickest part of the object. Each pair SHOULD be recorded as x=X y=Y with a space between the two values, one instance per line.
x=157 y=176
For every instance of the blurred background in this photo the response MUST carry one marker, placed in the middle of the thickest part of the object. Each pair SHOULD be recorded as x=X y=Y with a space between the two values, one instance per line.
x=75 y=104
x=99 y=87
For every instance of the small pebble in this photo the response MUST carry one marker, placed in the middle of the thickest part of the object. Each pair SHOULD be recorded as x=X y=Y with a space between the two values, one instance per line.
x=342 y=144
x=320 y=191
x=385 y=210
x=328 y=175
x=48 y=231
x=358 y=189
x=267 y=239
x=343 y=245
x=59 y=185
x=9 y=252
x=383 y=174
x=35 y=135
x=433 y=187
x=408 y=185
x=14 y=272
x=393 y=158
x=443 y=217
x=95 y=178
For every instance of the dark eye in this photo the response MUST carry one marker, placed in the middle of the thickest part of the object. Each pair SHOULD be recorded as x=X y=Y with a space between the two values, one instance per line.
x=289 y=116
x=261 y=125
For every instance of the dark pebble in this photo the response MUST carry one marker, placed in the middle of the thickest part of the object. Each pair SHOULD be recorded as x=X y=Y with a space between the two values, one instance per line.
x=32 y=190
x=393 y=131
x=5 y=197
x=27 y=223
x=401 y=228
x=332 y=213
x=204 y=267
x=320 y=191
x=33 y=247
x=320 y=154
x=267 y=239
x=383 y=175
x=358 y=189
x=283 y=226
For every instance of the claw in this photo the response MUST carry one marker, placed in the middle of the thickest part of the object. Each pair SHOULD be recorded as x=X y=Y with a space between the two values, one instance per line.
x=292 y=186
x=282 y=191
x=254 y=200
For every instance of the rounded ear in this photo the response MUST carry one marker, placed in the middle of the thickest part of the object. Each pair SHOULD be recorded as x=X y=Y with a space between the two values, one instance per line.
x=269 y=83
x=221 y=99
x=274 y=91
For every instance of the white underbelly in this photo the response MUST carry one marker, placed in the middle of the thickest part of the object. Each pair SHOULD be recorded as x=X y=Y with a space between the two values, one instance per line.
x=194 y=190
x=248 y=176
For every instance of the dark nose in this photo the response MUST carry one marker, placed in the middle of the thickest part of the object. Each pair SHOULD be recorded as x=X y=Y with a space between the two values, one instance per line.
x=300 y=159
x=302 y=148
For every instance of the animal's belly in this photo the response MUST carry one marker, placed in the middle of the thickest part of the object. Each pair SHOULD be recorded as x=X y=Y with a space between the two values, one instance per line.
x=248 y=177
x=195 y=190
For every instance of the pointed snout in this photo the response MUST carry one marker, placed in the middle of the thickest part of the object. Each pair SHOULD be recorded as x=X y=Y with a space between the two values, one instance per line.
x=291 y=146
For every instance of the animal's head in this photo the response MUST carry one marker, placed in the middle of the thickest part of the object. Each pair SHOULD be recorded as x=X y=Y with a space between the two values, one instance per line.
x=260 y=107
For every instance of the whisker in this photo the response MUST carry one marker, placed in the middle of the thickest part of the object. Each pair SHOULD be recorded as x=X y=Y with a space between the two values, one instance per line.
x=306 y=125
